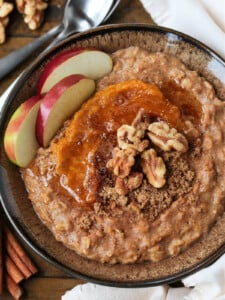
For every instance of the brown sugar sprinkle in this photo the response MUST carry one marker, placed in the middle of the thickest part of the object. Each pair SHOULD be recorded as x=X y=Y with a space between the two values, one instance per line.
x=152 y=201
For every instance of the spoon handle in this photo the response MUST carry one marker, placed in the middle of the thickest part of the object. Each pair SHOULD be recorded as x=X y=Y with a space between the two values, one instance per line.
x=9 y=62
x=61 y=36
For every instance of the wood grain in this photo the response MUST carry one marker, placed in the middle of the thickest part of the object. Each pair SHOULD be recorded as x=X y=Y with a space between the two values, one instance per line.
x=42 y=288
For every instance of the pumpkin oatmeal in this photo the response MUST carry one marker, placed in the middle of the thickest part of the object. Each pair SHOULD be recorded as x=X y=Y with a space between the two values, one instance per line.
x=138 y=173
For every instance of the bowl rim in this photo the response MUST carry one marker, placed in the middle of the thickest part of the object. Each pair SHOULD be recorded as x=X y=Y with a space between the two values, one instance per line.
x=3 y=198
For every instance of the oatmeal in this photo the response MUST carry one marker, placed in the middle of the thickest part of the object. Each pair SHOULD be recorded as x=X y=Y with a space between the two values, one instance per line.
x=138 y=173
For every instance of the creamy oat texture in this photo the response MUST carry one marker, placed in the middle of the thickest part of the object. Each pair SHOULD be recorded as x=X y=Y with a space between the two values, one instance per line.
x=148 y=224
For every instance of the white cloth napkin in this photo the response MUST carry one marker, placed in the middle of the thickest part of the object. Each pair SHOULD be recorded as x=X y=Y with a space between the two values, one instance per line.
x=205 y=21
x=97 y=292
x=201 y=19
x=207 y=284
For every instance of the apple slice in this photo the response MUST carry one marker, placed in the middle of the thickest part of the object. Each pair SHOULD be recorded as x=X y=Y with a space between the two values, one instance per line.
x=60 y=103
x=89 y=62
x=20 y=141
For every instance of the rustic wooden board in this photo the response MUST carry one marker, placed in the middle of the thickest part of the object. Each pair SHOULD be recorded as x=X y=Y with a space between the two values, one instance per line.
x=42 y=288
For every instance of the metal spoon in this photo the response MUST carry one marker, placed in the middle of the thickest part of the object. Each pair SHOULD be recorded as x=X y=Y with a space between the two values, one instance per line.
x=79 y=15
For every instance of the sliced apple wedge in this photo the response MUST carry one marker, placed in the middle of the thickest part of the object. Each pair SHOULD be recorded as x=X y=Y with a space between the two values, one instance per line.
x=20 y=141
x=89 y=62
x=60 y=103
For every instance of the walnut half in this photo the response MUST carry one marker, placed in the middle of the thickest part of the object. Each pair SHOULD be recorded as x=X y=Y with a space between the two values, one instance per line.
x=167 y=138
x=129 y=183
x=122 y=161
x=33 y=12
x=154 y=168
x=130 y=137
x=5 y=9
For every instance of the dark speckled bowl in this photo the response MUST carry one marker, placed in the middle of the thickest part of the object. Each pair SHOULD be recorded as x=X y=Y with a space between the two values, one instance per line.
x=13 y=194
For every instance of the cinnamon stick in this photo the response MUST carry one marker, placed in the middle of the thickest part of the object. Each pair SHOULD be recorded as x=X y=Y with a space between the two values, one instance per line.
x=14 y=289
x=1 y=259
x=20 y=252
x=12 y=270
x=17 y=260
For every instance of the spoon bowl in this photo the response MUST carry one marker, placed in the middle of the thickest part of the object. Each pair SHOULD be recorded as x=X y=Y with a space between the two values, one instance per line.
x=80 y=15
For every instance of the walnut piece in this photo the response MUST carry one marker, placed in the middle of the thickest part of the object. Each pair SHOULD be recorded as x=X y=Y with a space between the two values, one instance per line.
x=5 y=9
x=129 y=183
x=122 y=161
x=33 y=12
x=134 y=180
x=141 y=121
x=129 y=136
x=2 y=33
x=167 y=138
x=154 y=168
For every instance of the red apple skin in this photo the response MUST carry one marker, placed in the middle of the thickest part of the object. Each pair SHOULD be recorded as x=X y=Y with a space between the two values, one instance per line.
x=55 y=62
x=15 y=124
x=90 y=62
x=49 y=101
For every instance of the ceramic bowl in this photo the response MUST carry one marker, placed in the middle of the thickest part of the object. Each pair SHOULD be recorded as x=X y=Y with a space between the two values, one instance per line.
x=13 y=194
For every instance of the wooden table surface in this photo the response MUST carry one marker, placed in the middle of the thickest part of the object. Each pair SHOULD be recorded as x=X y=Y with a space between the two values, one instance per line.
x=50 y=283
